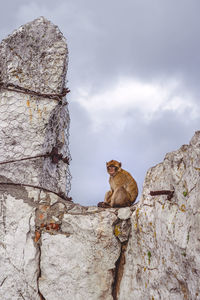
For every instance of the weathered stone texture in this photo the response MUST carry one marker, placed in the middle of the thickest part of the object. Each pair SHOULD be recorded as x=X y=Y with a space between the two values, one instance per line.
x=19 y=258
x=148 y=251
x=162 y=258
x=80 y=265
x=55 y=248
x=34 y=57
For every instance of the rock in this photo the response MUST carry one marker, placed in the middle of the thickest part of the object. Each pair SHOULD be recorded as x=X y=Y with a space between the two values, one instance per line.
x=92 y=209
x=122 y=230
x=19 y=258
x=34 y=57
x=124 y=213
x=80 y=266
x=162 y=257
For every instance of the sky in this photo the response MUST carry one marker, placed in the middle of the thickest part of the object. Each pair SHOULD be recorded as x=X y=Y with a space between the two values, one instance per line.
x=134 y=69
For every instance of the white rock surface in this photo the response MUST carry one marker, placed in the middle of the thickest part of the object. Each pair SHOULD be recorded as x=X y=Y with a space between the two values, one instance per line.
x=124 y=213
x=162 y=258
x=34 y=57
x=19 y=258
x=81 y=265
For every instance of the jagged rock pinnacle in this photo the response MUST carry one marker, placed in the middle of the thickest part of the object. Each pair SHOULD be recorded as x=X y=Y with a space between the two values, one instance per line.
x=35 y=57
x=33 y=65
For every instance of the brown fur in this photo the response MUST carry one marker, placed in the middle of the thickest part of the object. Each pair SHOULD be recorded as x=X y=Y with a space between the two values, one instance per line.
x=123 y=190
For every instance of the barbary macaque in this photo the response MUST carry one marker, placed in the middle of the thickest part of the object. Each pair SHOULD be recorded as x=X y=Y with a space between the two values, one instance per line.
x=124 y=188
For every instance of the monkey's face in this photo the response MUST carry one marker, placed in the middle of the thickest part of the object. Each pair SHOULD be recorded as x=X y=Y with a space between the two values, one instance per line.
x=113 y=167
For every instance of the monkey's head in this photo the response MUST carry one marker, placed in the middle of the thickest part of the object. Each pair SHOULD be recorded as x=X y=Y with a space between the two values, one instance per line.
x=113 y=167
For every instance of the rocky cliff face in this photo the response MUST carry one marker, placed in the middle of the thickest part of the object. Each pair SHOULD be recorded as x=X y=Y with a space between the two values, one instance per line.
x=162 y=257
x=51 y=248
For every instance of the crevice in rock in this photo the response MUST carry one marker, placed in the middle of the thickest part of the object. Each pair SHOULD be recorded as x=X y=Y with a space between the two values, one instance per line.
x=145 y=204
x=3 y=281
x=39 y=274
x=118 y=271
x=121 y=230
x=22 y=296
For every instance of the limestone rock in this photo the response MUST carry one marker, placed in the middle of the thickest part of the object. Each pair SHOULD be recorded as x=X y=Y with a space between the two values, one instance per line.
x=162 y=258
x=34 y=57
x=19 y=258
x=81 y=265
x=124 y=213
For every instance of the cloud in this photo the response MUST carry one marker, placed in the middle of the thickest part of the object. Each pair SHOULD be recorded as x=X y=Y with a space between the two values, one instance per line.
x=114 y=106
x=142 y=39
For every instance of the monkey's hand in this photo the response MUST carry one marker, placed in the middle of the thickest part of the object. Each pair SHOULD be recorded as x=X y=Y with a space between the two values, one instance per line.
x=103 y=205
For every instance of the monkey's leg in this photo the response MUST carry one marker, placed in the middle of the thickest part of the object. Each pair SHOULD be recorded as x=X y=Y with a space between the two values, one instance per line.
x=107 y=199
x=120 y=198
x=108 y=196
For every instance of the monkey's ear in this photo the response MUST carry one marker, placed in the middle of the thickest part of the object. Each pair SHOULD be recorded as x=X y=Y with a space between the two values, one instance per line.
x=120 y=164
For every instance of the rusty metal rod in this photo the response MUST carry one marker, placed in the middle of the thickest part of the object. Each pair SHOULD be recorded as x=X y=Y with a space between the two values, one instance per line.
x=16 y=88
x=61 y=195
x=55 y=156
x=163 y=192
x=25 y=158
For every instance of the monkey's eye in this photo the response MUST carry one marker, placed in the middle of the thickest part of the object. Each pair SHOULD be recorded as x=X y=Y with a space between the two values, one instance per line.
x=111 y=166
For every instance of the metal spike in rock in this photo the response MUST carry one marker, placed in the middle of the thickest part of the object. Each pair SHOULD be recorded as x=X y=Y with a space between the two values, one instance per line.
x=163 y=192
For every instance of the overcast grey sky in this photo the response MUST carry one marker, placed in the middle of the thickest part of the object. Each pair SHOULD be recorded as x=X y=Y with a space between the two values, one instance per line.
x=134 y=69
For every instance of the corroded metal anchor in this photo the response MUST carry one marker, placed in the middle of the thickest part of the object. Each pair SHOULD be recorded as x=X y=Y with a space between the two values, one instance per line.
x=163 y=192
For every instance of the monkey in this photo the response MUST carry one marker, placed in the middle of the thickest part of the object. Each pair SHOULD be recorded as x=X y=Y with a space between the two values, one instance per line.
x=124 y=190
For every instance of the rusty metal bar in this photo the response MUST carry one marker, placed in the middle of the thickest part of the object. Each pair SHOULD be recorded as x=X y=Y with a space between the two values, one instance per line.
x=16 y=88
x=25 y=158
x=55 y=157
x=61 y=195
x=163 y=192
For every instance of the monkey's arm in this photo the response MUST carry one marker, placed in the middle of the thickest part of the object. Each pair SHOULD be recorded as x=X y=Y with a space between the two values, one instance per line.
x=108 y=196
x=107 y=200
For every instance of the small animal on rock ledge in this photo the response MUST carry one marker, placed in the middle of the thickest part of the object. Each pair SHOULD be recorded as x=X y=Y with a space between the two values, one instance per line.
x=123 y=187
